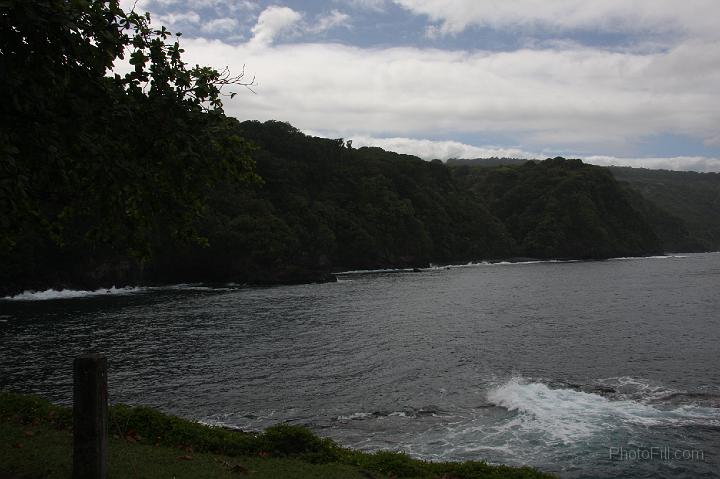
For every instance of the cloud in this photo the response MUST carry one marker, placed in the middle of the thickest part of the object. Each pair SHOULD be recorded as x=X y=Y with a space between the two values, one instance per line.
x=172 y=20
x=329 y=21
x=553 y=95
x=697 y=17
x=443 y=150
x=220 y=25
x=580 y=99
x=138 y=5
x=272 y=22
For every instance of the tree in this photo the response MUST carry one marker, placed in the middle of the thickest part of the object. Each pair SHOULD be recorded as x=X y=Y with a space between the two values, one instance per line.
x=94 y=159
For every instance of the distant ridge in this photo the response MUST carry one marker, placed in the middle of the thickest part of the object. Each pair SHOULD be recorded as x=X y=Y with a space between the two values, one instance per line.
x=683 y=207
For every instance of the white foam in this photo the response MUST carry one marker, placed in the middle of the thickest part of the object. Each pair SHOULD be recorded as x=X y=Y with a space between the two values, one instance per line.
x=566 y=415
x=70 y=293
x=50 y=294
x=355 y=415
x=373 y=271
x=398 y=414
x=634 y=258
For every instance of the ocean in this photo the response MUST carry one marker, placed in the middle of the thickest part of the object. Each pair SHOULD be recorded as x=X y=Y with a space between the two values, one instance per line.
x=581 y=368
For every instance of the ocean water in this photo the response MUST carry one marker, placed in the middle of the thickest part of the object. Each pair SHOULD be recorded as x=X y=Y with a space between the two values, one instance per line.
x=584 y=369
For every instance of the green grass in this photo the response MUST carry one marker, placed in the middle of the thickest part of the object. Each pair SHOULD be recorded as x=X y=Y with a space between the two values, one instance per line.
x=36 y=442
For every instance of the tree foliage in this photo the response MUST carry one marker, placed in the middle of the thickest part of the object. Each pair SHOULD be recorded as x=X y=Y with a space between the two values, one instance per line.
x=97 y=156
x=325 y=206
x=98 y=163
x=683 y=206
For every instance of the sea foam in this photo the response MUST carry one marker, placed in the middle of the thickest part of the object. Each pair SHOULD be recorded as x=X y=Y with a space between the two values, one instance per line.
x=568 y=415
x=70 y=293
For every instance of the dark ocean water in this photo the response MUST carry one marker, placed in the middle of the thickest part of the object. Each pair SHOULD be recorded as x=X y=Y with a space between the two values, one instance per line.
x=586 y=369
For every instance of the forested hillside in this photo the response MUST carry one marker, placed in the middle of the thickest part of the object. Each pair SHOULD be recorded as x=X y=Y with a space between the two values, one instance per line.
x=324 y=206
x=688 y=204
x=562 y=208
x=682 y=207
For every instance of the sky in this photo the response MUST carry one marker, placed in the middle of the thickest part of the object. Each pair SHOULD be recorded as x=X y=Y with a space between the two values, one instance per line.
x=626 y=82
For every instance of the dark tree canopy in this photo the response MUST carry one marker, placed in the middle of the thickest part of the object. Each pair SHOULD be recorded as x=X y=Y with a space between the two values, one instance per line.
x=98 y=158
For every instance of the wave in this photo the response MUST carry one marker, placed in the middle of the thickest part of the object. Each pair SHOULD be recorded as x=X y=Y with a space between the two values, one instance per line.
x=376 y=271
x=50 y=294
x=569 y=415
x=53 y=294
x=632 y=258
x=435 y=267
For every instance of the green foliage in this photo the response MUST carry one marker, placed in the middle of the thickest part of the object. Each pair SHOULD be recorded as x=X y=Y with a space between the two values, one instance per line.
x=29 y=409
x=682 y=206
x=323 y=206
x=151 y=426
x=393 y=464
x=95 y=164
x=562 y=208
x=286 y=440
x=148 y=425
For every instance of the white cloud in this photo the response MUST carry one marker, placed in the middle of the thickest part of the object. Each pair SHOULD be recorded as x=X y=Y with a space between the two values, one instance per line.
x=555 y=94
x=140 y=6
x=272 y=22
x=698 y=17
x=443 y=150
x=329 y=21
x=172 y=20
x=582 y=99
x=220 y=25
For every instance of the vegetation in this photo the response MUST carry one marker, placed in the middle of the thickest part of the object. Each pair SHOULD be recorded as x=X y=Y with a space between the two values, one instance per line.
x=95 y=165
x=325 y=206
x=685 y=204
x=681 y=207
x=146 y=443
x=562 y=208
x=110 y=179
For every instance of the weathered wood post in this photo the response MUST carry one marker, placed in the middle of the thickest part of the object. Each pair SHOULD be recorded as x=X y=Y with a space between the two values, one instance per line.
x=90 y=423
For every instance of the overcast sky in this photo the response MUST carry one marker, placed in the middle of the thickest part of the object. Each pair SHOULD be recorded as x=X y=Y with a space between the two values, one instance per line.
x=610 y=81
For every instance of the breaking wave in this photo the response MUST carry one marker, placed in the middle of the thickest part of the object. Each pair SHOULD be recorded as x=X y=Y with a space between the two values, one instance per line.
x=51 y=294
x=569 y=415
x=70 y=293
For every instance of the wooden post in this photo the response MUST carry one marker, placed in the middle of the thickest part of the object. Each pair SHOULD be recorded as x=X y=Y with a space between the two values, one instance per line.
x=90 y=424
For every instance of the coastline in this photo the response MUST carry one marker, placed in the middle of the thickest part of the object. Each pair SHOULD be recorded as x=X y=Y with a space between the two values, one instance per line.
x=67 y=291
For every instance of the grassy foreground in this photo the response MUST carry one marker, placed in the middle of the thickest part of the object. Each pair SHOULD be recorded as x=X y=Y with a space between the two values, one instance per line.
x=36 y=442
